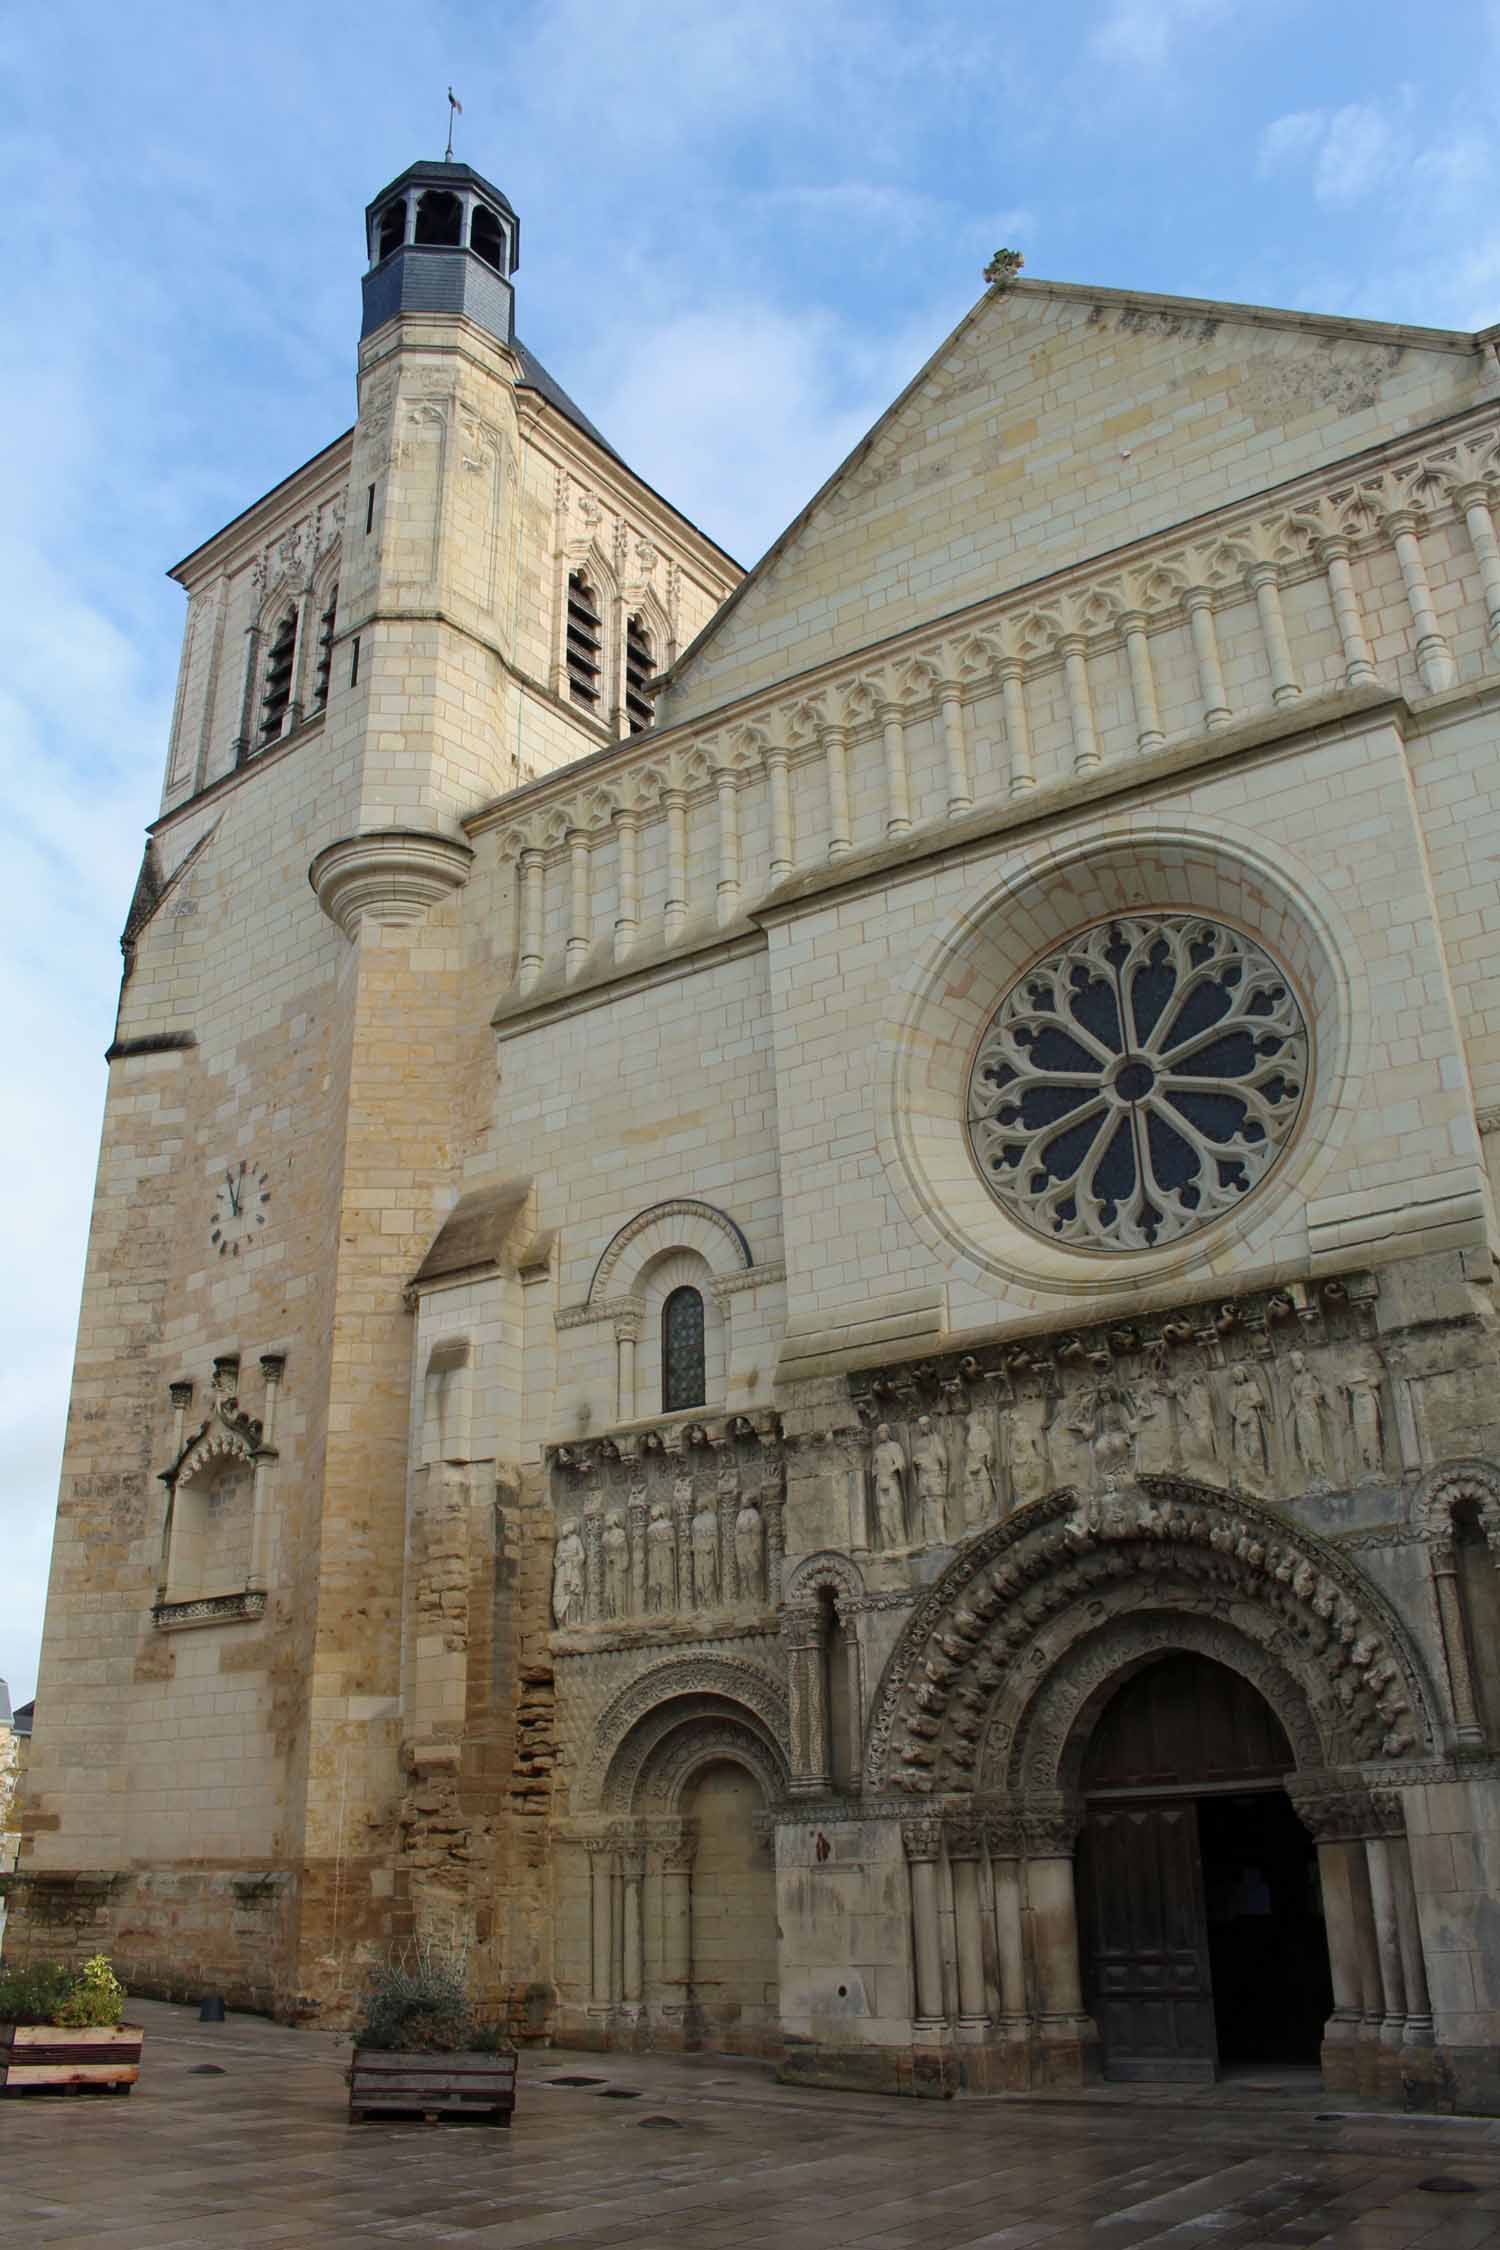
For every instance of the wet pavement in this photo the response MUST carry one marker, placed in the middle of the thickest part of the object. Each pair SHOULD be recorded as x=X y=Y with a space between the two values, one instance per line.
x=710 y=2152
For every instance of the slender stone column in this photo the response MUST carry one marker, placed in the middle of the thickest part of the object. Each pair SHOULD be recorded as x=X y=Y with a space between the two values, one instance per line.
x=897 y=784
x=1010 y=1941
x=677 y=1915
x=601 y=1920
x=1469 y=1734
x=628 y=913
x=1475 y=502
x=625 y=1342
x=1265 y=584
x=922 y=1842
x=854 y=1669
x=633 y=1875
x=1198 y=603
x=531 y=917
x=1050 y=1829
x=836 y=760
x=1339 y=1921
x=965 y=1843
x=272 y=1367
x=1359 y=664
x=1080 y=706
x=783 y=853
x=802 y=1630
x=1387 y=1941
x=578 y=908
x=728 y=889
x=1419 y=2028
x=1366 y=1944
x=1434 y=658
x=674 y=912
x=244 y=741
x=181 y=1395
x=1148 y=727
x=955 y=743
x=1017 y=726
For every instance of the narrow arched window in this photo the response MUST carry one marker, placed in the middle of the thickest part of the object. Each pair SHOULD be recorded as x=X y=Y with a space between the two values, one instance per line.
x=585 y=641
x=325 y=649
x=277 y=695
x=640 y=664
x=392 y=230
x=683 y=1377
x=487 y=238
x=440 y=220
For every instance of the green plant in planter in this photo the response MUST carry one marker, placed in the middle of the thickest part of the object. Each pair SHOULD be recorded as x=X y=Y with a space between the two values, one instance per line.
x=43 y=1992
x=417 y=2001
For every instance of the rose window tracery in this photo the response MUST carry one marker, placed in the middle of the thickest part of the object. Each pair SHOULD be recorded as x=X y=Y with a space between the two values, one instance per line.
x=1137 y=1083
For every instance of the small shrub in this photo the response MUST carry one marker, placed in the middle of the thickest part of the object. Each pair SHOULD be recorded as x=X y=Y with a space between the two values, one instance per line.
x=1003 y=268
x=417 y=2000
x=44 y=1992
x=97 y=1999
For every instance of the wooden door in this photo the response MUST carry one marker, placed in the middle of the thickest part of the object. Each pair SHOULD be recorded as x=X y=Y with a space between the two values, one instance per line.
x=1145 y=1940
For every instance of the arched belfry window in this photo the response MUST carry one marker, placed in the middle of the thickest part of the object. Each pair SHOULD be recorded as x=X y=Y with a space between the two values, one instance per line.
x=440 y=220
x=325 y=648
x=585 y=641
x=487 y=238
x=392 y=229
x=683 y=1371
x=277 y=695
x=640 y=664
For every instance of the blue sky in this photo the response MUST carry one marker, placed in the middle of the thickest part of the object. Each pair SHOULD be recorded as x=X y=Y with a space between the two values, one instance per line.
x=744 y=226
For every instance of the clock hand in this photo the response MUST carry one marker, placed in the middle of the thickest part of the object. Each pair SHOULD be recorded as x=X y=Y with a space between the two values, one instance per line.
x=234 y=1201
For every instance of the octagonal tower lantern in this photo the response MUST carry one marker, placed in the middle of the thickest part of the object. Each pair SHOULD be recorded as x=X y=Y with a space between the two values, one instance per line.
x=442 y=239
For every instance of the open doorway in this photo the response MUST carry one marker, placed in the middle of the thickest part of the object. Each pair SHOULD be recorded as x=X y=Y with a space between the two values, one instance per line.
x=1200 y=1913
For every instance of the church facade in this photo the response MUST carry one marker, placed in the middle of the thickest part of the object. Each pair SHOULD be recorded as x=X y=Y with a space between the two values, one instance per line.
x=790 y=1321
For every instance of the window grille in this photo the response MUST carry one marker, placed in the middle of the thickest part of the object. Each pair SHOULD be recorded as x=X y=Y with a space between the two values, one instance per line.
x=585 y=642
x=278 y=689
x=640 y=664
x=325 y=650
x=683 y=1375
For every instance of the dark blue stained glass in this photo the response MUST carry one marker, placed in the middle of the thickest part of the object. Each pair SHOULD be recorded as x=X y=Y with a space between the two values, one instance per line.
x=683 y=1370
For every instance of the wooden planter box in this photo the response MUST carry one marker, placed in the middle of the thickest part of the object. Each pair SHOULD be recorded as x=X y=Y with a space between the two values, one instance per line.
x=40 y=2055
x=383 y=2082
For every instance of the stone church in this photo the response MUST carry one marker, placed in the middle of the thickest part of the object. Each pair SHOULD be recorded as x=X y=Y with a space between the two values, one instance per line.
x=790 y=1320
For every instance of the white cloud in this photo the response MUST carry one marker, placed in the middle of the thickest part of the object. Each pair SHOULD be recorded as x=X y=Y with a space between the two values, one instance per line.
x=1143 y=33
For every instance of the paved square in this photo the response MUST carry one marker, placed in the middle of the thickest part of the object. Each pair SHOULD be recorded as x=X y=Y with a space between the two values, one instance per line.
x=258 y=2152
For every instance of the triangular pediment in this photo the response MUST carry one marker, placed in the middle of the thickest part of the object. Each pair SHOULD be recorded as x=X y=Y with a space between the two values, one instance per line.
x=1058 y=423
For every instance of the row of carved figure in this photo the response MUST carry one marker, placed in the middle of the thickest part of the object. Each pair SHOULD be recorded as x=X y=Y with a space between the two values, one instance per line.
x=1273 y=1425
x=692 y=1549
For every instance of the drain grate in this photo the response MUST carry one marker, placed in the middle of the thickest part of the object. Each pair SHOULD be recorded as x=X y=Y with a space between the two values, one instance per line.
x=621 y=2094
x=206 y=2070
x=1445 y=2183
x=572 y=2081
x=674 y=2122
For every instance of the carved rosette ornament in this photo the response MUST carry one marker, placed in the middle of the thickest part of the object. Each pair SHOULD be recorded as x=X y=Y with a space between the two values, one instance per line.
x=1136 y=1084
x=1036 y=1617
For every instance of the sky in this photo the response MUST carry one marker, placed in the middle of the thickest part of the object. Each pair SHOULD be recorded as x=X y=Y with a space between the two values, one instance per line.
x=745 y=224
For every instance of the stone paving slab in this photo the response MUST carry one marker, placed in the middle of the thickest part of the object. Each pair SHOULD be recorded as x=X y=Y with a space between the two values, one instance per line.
x=259 y=2154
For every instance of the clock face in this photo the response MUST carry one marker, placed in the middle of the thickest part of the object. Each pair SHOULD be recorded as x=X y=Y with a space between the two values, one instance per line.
x=239 y=1207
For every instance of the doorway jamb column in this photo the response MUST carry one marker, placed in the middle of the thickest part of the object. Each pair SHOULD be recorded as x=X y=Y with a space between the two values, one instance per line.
x=803 y=1630
x=965 y=1844
x=1469 y=1734
x=601 y=1921
x=922 y=1841
x=677 y=1921
x=1419 y=2027
x=1050 y=1827
x=633 y=1974
x=1335 y=1818
x=1004 y=1837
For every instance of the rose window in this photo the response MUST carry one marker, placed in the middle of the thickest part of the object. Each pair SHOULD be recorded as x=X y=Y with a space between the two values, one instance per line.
x=1137 y=1083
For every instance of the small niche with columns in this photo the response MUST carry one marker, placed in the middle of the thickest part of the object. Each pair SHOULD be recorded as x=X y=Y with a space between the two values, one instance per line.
x=214 y=1531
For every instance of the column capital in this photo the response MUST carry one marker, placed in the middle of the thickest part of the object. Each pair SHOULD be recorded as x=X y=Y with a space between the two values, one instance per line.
x=1049 y=1824
x=965 y=1832
x=181 y=1394
x=922 y=1839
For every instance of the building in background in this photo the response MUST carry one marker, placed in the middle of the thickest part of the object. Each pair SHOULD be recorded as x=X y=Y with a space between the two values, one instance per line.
x=790 y=1317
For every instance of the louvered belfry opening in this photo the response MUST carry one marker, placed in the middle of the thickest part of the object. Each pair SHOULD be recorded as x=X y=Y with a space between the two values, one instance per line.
x=325 y=650
x=585 y=642
x=278 y=690
x=640 y=664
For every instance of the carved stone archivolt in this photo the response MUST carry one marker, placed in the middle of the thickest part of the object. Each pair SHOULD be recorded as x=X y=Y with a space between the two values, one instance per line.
x=680 y=1521
x=684 y=1698
x=1000 y=1661
x=1281 y=1392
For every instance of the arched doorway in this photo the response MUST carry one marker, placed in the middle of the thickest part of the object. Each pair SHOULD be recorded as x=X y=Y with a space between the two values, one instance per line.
x=1200 y=1909
x=733 y=1903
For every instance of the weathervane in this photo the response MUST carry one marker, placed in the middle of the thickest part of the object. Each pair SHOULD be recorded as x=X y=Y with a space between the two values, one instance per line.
x=455 y=109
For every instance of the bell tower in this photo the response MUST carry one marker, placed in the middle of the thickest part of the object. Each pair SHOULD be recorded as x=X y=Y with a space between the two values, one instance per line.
x=442 y=240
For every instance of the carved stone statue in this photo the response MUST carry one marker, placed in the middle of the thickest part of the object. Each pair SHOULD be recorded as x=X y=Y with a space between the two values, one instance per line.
x=567 y=1579
x=888 y=1467
x=616 y=1546
x=750 y=1551
x=979 y=1470
x=1249 y=1414
x=1028 y=1457
x=929 y=1461
x=661 y=1561
x=1362 y=1387
x=1200 y=1439
x=1308 y=1399
x=707 y=1590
